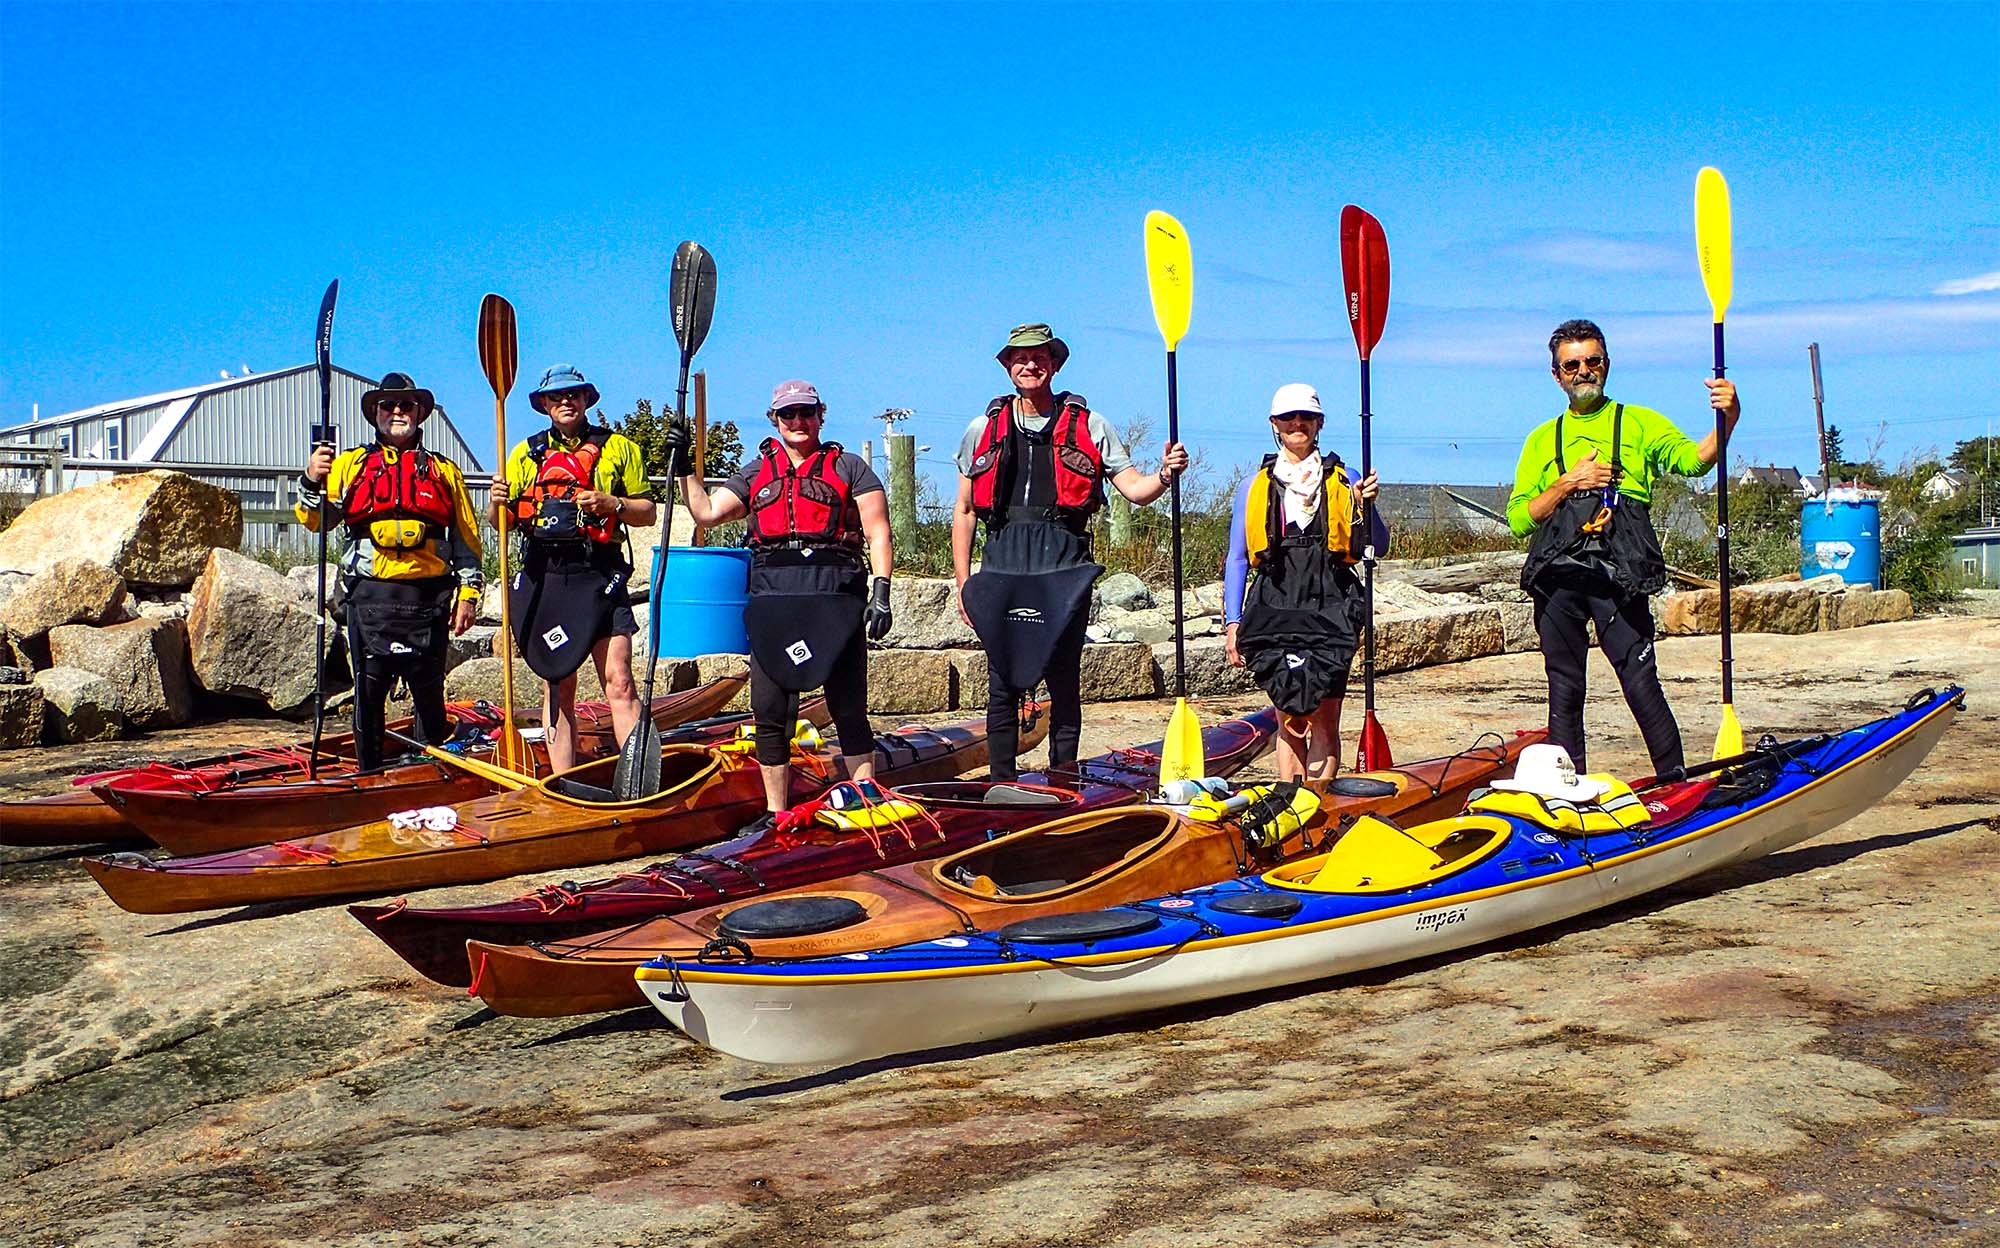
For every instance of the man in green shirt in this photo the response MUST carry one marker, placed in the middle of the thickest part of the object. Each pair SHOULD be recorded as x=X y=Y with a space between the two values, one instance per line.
x=1584 y=488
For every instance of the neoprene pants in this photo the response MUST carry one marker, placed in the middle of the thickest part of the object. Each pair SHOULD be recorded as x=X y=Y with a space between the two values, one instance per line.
x=373 y=679
x=777 y=710
x=1625 y=634
x=1064 y=677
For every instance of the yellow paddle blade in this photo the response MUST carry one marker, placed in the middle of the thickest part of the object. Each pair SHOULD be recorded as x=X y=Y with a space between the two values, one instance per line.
x=1183 y=758
x=1728 y=738
x=1170 y=276
x=1712 y=237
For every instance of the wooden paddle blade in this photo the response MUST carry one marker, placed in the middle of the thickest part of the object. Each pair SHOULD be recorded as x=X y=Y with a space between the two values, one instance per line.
x=1728 y=738
x=638 y=774
x=691 y=290
x=1712 y=238
x=1374 y=753
x=1169 y=275
x=1181 y=757
x=499 y=350
x=1364 y=266
x=325 y=352
x=511 y=753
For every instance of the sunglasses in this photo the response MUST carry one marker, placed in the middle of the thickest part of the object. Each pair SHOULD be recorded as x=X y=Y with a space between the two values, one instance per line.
x=1303 y=418
x=1591 y=362
x=398 y=405
x=564 y=397
x=797 y=413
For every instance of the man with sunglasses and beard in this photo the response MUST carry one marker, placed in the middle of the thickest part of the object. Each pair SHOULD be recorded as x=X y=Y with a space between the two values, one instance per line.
x=1584 y=489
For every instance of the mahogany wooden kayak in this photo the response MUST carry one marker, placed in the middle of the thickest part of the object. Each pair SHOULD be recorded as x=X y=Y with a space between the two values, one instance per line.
x=571 y=819
x=202 y=817
x=1112 y=856
x=955 y=814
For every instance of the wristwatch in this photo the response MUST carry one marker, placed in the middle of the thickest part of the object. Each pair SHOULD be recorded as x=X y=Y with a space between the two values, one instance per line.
x=618 y=506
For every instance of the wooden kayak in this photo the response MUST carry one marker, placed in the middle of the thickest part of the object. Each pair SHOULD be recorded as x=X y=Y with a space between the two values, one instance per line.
x=951 y=815
x=1148 y=850
x=566 y=820
x=205 y=814
x=1382 y=894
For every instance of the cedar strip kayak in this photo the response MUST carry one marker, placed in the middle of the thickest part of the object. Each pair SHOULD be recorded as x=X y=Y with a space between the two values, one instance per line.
x=566 y=820
x=1381 y=895
x=202 y=817
x=956 y=814
x=1151 y=850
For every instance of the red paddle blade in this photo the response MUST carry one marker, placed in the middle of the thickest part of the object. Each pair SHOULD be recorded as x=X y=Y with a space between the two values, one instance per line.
x=1364 y=265
x=1374 y=753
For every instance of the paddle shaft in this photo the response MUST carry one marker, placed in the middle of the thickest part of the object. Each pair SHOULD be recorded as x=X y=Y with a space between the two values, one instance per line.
x=666 y=538
x=1368 y=554
x=1174 y=489
x=1722 y=523
x=506 y=583
x=323 y=345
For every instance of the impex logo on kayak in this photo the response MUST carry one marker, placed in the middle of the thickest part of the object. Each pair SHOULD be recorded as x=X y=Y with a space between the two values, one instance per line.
x=1439 y=919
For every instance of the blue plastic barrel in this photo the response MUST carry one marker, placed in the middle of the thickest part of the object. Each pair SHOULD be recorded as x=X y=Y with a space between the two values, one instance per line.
x=701 y=601
x=1844 y=535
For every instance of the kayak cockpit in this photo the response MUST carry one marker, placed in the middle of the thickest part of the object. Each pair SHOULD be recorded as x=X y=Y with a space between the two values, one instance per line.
x=1377 y=856
x=681 y=769
x=1014 y=795
x=1060 y=857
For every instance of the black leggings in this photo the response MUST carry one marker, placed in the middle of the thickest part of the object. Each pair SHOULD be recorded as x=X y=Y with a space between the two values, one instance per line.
x=1625 y=634
x=776 y=710
x=1064 y=677
x=374 y=677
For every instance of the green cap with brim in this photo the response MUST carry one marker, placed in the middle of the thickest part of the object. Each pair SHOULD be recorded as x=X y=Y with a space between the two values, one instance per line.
x=1036 y=335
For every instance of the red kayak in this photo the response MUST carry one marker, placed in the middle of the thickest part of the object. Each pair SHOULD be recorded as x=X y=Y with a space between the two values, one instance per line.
x=808 y=846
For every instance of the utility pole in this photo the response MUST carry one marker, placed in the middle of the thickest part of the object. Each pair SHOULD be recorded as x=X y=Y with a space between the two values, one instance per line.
x=901 y=452
x=1819 y=414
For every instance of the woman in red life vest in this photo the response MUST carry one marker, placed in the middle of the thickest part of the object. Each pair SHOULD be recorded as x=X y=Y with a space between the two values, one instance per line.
x=1297 y=525
x=411 y=567
x=1033 y=470
x=817 y=523
x=571 y=489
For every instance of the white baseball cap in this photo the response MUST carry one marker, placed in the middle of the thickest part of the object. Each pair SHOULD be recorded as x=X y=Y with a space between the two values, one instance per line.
x=1296 y=396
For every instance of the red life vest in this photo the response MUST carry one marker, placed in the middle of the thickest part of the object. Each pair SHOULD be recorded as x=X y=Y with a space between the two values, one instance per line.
x=548 y=512
x=406 y=487
x=1079 y=463
x=806 y=505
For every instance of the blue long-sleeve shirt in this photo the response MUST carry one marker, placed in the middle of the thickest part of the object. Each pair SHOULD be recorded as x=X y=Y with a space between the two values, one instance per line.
x=1236 y=568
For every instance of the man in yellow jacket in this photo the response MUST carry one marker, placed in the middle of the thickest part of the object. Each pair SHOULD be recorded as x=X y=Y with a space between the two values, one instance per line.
x=411 y=564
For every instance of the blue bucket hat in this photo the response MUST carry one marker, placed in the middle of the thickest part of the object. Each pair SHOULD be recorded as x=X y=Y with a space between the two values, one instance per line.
x=562 y=377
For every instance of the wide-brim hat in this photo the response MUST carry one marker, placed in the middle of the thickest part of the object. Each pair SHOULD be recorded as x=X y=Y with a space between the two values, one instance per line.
x=558 y=378
x=1547 y=771
x=1035 y=335
x=397 y=385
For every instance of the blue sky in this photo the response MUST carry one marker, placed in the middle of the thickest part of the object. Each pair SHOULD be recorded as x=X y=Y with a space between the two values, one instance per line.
x=887 y=189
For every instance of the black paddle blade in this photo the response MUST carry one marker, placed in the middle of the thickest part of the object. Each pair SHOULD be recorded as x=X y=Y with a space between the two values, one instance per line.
x=325 y=358
x=638 y=774
x=499 y=351
x=692 y=293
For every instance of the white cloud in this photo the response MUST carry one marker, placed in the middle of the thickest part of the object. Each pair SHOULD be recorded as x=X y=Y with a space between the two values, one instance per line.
x=1970 y=285
x=1601 y=253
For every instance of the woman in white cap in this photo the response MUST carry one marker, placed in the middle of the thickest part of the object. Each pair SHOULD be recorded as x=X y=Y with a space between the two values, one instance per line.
x=817 y=525
x=1295 y=625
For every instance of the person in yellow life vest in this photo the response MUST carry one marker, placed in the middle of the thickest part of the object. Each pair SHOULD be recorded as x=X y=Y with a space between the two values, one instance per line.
x=411 y=567
x=1297 y=526
x=570 y=490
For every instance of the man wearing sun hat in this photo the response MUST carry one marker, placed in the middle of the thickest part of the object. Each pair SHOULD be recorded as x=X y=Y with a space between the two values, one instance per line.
x=571 y=489
x=411 y=568
x=1032 y=471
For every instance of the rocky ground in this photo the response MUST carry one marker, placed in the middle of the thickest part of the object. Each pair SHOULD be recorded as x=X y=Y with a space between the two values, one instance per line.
x=1802 y=1050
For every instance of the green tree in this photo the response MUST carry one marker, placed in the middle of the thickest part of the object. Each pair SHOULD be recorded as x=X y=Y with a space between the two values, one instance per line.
x=1831 y=452
x=648 y=429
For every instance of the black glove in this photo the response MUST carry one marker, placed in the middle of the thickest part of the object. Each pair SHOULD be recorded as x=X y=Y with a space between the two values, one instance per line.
x=875 y=616
x=675 y=442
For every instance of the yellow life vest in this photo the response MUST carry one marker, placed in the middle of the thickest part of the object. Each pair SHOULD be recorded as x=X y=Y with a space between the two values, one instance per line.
x=1619 y=809
x=1264 y=514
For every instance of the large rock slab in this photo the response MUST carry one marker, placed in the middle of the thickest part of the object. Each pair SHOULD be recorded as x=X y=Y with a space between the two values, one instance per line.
x=1517 y=627
x=909 y=682
x=1124 y=591
x=81 y=706
x=1792 y=607
x=926 y=615
x=1439 y=635
x=21 y=716
x=69 y=591
x=969 y=678
x=151 y=528
x=709 y=667
x=480 y=678
x=1118 y=671
x=1209 y=673
x=1859 y=606
x=1459 y=574
x=249 y=636
x=146 y=661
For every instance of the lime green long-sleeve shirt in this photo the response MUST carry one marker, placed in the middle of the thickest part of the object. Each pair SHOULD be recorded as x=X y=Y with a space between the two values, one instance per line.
x=1649 y=445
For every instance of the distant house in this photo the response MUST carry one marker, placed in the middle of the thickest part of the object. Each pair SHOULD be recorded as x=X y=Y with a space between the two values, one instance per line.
x=1976 y=554
x=1787 y=479
x=1948 y=483
x=260 y=421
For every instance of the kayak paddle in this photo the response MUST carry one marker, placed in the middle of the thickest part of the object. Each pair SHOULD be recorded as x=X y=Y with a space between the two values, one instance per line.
x=323 y=434
x=691 y=292
x=1712 y=242
x=1170 y=276
x=500 y=358
x=1364 y=267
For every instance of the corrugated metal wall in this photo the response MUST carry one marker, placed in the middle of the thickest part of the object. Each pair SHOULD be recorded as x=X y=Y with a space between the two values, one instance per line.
x=266 y=422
